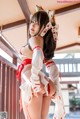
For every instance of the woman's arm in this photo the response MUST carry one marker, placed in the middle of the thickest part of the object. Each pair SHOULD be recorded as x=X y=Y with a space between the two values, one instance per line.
x=59 y=111
x=37 y=63
x=52 y=70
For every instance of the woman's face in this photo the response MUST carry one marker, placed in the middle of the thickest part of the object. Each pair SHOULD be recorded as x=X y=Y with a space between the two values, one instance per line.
x=34 y=28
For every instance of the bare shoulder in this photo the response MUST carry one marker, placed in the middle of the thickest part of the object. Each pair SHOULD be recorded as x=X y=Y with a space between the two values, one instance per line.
x=36 y=41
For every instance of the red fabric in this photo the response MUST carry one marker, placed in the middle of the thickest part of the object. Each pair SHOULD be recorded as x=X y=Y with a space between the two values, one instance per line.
x=27 y=61
x=48 y=88
x=45 y=60
x=20 y=68
x=59 y=97
x=49 y=62
x=38 y=47
x=20 y=52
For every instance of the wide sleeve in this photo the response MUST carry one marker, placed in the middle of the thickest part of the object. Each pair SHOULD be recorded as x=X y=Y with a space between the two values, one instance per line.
x=37 y=65
x=59 y=111
x=52 y=70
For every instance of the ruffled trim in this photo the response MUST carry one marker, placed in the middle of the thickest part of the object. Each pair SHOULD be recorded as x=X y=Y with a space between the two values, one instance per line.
x=26 y=87
x=26 y=91
x=59 y=112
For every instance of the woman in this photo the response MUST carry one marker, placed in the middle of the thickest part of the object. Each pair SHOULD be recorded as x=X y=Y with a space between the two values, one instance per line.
x=37 y=89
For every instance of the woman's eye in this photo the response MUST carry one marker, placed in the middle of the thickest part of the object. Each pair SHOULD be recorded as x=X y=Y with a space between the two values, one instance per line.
x=31 y=22
x=35 y=22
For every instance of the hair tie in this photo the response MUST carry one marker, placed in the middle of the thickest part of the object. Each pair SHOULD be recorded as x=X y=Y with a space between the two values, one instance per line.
x=54 y=30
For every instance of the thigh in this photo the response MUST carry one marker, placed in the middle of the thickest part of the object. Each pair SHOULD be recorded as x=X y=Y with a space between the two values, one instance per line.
x=33 y=109
x=45 y=107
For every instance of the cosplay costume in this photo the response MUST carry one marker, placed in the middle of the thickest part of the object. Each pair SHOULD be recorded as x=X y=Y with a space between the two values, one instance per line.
x=32 y=79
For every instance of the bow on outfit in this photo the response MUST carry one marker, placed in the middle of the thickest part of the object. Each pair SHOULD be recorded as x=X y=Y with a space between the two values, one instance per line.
x=54 y=30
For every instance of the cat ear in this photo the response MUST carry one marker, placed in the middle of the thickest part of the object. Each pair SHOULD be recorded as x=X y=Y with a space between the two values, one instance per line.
x=47 y=11
x=51 y=15
x=39 y=8
x=31 y=16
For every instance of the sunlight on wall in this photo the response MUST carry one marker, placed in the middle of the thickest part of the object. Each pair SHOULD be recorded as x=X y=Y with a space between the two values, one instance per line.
x=5 y=55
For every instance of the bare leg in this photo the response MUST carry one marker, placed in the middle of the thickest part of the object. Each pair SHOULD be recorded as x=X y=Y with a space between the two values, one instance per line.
x=33 y=109
x=45 y=107
x=47 y=100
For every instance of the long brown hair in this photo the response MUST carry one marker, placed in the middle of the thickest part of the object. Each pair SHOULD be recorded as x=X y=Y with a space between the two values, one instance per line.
x=49 y=43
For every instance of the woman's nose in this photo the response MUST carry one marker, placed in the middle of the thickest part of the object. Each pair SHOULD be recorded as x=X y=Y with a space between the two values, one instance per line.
x=33 y=24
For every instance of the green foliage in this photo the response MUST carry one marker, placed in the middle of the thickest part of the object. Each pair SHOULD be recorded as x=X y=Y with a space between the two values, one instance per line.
x=75 y=101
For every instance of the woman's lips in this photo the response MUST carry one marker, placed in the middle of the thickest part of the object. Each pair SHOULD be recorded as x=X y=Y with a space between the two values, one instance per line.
x=32 y=29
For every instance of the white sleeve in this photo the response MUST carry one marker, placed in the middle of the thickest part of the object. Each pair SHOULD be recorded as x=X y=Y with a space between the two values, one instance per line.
x=52 y=70
x=59 y=113
x=37 y=65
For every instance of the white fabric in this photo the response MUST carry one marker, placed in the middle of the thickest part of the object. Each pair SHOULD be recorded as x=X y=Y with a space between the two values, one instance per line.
x=58 y=100
x=59 y=112
x=54 y=30
x=37 y=65
x=26 y=90
x=53 y=72
x=26 y=86
x=44 y=80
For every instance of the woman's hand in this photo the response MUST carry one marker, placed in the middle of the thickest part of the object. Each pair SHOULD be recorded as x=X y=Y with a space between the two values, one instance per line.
x=42 y=90
x=51 y=89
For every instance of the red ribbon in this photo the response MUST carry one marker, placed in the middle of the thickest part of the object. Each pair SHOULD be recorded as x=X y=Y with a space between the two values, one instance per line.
x=20 y=68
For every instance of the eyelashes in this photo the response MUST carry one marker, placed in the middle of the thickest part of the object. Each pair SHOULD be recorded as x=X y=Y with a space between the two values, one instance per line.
x=35 y=22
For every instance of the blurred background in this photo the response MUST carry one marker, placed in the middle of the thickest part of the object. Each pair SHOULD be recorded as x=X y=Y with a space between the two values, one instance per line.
x=14 y=24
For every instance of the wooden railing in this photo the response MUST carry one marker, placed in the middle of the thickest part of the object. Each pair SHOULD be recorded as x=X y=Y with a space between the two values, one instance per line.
x=9 y=86
x=69 y=67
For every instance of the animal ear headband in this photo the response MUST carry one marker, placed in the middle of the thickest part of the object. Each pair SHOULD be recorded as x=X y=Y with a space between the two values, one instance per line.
x=54 y=29
x=49 y=12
